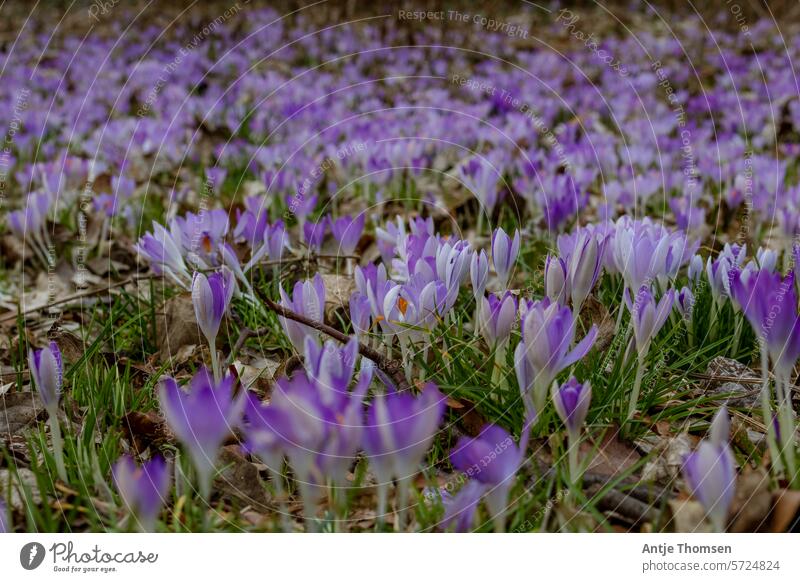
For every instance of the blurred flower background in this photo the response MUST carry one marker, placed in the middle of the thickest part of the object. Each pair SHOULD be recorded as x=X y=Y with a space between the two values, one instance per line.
x=454 y=266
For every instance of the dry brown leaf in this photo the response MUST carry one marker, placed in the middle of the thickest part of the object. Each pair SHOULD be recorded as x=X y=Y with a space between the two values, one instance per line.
x=239 y=479
x=19 y=410
x=338 y=289
x=177 y=327
x=611 y=456
x=752 y=502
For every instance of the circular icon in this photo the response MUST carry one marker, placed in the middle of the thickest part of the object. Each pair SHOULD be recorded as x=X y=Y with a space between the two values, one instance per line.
x=31 y=555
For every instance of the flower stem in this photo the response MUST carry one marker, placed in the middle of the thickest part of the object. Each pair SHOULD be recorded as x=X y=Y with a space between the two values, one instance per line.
x=401 y=501
x=214 y=360
x=383 y=492
x=58 y=445
x=573 y=442
x=786 y=424
x=637 y=386
x=766 y=412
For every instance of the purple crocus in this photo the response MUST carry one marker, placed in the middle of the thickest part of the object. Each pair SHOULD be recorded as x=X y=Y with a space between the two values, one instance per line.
x=685 y=303
x=710 y=473
x=398 y=432
x=648 y=316
x=201 y=418
x=142 y=489
x=572 y=401
x=211 y=297
x=479 y=273
x=504 y=255
x=347 y=231
x=496 y=316
x=460 y=509
x=308 y=299
x=555 y=279
x=164 y=255
x=320 y=440
x=314 y=233
x=769 y=303
x=548 y=332
x=493 y=459
x=47 y=372
x=330 y=366
x=584 y=266
x=274 y=242
x=360 y=313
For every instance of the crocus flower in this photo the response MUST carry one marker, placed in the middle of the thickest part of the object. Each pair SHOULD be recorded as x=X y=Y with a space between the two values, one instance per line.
x=584 y=266
x=497 y=316
x=548 y=332
x=504 y=255
x=769 y=303
x=460 y=509
x=211 y=297
x=143 y=489
x=360 y=313
x=398 y=432
x=215 y=177
x=330 y=366
x=201 y=418
x=685 y=302
x=164 y=255
x=492 y=458
x=275 y=241
x=480 y=176
x=314 y=233
x=479 y=273
x=320 y=440
x=696 y=268
x=648 y=316
x=347 y=231
x=308 y=299
x=710 y=473
x=555 y=279
x=452 y=268
x=572 y=401
x=47 y=372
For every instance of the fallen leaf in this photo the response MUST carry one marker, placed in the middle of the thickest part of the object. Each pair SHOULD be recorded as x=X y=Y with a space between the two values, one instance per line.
x=338 y=289
x=611 y=456
x=177 y=327
x=19 y=410
x=752 y=502
x=239 y=479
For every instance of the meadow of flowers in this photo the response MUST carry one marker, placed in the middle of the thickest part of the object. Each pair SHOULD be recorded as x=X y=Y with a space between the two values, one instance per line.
x=399 y=270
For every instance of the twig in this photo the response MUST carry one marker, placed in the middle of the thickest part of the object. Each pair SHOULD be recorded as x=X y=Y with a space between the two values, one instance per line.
x=12 y=315
x=391 y=368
